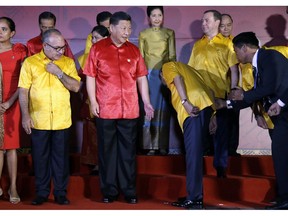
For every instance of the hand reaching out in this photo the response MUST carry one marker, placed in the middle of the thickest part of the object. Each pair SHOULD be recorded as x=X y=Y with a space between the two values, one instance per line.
x=236 y=94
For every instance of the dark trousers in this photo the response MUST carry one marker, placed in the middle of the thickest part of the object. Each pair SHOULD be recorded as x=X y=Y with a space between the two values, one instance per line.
x=117 y=155
x=233 y=134
x=196 y=129
x=280 y=154
x=50 y=153
x=221 y=139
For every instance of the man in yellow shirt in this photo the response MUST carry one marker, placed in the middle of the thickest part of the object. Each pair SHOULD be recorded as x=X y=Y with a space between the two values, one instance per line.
x=213 y=55
x=193 y=101
x=45 y=81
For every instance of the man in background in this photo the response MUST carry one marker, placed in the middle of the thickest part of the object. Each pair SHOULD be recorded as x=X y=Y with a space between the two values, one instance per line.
x=103 y=19
x=213 y=54
x=226 y=28
x=46 y=20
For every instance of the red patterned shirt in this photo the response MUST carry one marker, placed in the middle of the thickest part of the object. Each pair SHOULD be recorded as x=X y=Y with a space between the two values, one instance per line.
x=116 y=70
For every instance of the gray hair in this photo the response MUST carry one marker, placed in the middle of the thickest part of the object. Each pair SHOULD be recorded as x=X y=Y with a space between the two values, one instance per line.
x=48 y=33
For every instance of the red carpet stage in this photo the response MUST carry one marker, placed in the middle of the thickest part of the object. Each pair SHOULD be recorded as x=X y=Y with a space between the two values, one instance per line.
x=250 y=184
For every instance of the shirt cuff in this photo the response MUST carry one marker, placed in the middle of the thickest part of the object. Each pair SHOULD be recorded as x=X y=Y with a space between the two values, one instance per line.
x=280 y=103
x=229 y=104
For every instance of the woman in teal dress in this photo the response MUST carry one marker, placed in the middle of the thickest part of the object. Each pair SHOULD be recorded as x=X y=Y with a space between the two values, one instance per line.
x=157 y=46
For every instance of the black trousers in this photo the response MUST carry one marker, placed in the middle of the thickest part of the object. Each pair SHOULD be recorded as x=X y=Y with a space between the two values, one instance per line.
x=221 y=139
x=50 y=154
x=280 y=153
x=233 y=134
x=117 y=155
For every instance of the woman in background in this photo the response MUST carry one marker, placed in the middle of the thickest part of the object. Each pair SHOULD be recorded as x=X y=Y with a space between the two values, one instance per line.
x=11 y=58
x=89 y=153
x=157 y=46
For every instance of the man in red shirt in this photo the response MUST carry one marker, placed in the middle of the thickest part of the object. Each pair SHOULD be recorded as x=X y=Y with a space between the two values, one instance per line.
x=47 y=20
x=114 y=69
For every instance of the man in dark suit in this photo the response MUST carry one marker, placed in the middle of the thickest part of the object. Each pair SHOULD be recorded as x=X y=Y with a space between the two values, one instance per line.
x=270 y=87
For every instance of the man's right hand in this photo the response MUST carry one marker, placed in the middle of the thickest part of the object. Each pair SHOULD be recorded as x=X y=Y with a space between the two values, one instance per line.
x=261 y=122
x=274 y=109
x=27 y=124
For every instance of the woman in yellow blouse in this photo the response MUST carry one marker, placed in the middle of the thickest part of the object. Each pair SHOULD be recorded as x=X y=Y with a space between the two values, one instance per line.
x=157 y=46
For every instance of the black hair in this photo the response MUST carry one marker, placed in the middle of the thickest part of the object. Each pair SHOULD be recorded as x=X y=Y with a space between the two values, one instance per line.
x=103 y=31
x=118 y=16
x=10 y=23
x=248 y=38
x=151 y=8
x=103 y=16
x=216 y=14
x=227 y=15
x=47 y=15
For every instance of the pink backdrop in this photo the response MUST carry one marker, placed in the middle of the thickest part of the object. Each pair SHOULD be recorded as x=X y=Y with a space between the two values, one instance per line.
x=75 y=22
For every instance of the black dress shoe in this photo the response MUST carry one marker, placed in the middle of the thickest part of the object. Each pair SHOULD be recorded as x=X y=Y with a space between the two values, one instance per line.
x=39 y=200
x=189 y=204
x=278 y=206
x=109 y=199
x=179 y=202
x=62 y=200
x=221 y=172
x=196 y=204
x=131 y=199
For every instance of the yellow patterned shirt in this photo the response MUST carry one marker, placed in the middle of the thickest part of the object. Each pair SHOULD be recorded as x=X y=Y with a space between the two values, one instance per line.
x=49 y=100
x=214 y=57
x=88 y=45
x=198 y=93
x=281 y=49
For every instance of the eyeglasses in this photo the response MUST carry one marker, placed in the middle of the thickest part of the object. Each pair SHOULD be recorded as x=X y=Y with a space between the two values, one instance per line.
x=57 y=49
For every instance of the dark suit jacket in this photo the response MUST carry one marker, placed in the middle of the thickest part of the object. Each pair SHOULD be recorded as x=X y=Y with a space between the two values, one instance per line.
x=273 y=79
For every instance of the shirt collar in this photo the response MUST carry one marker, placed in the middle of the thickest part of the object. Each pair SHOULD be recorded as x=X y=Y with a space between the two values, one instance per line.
x=110 y=42
x=219 y=35
x=255 y=58
x=46 y=59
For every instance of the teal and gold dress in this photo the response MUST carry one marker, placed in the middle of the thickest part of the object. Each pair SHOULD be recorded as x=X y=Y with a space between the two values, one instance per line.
x=157 y=46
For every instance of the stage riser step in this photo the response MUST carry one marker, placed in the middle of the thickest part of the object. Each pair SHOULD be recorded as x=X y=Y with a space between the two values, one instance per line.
x=167 y=165
x=166 y=188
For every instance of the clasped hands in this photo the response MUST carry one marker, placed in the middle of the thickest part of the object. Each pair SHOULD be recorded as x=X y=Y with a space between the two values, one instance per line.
x=235 y=94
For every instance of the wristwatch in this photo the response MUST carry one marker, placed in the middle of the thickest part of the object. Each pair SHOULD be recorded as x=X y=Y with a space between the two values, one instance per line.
x=183 y=101
x=60 y=76
x=229 y=104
